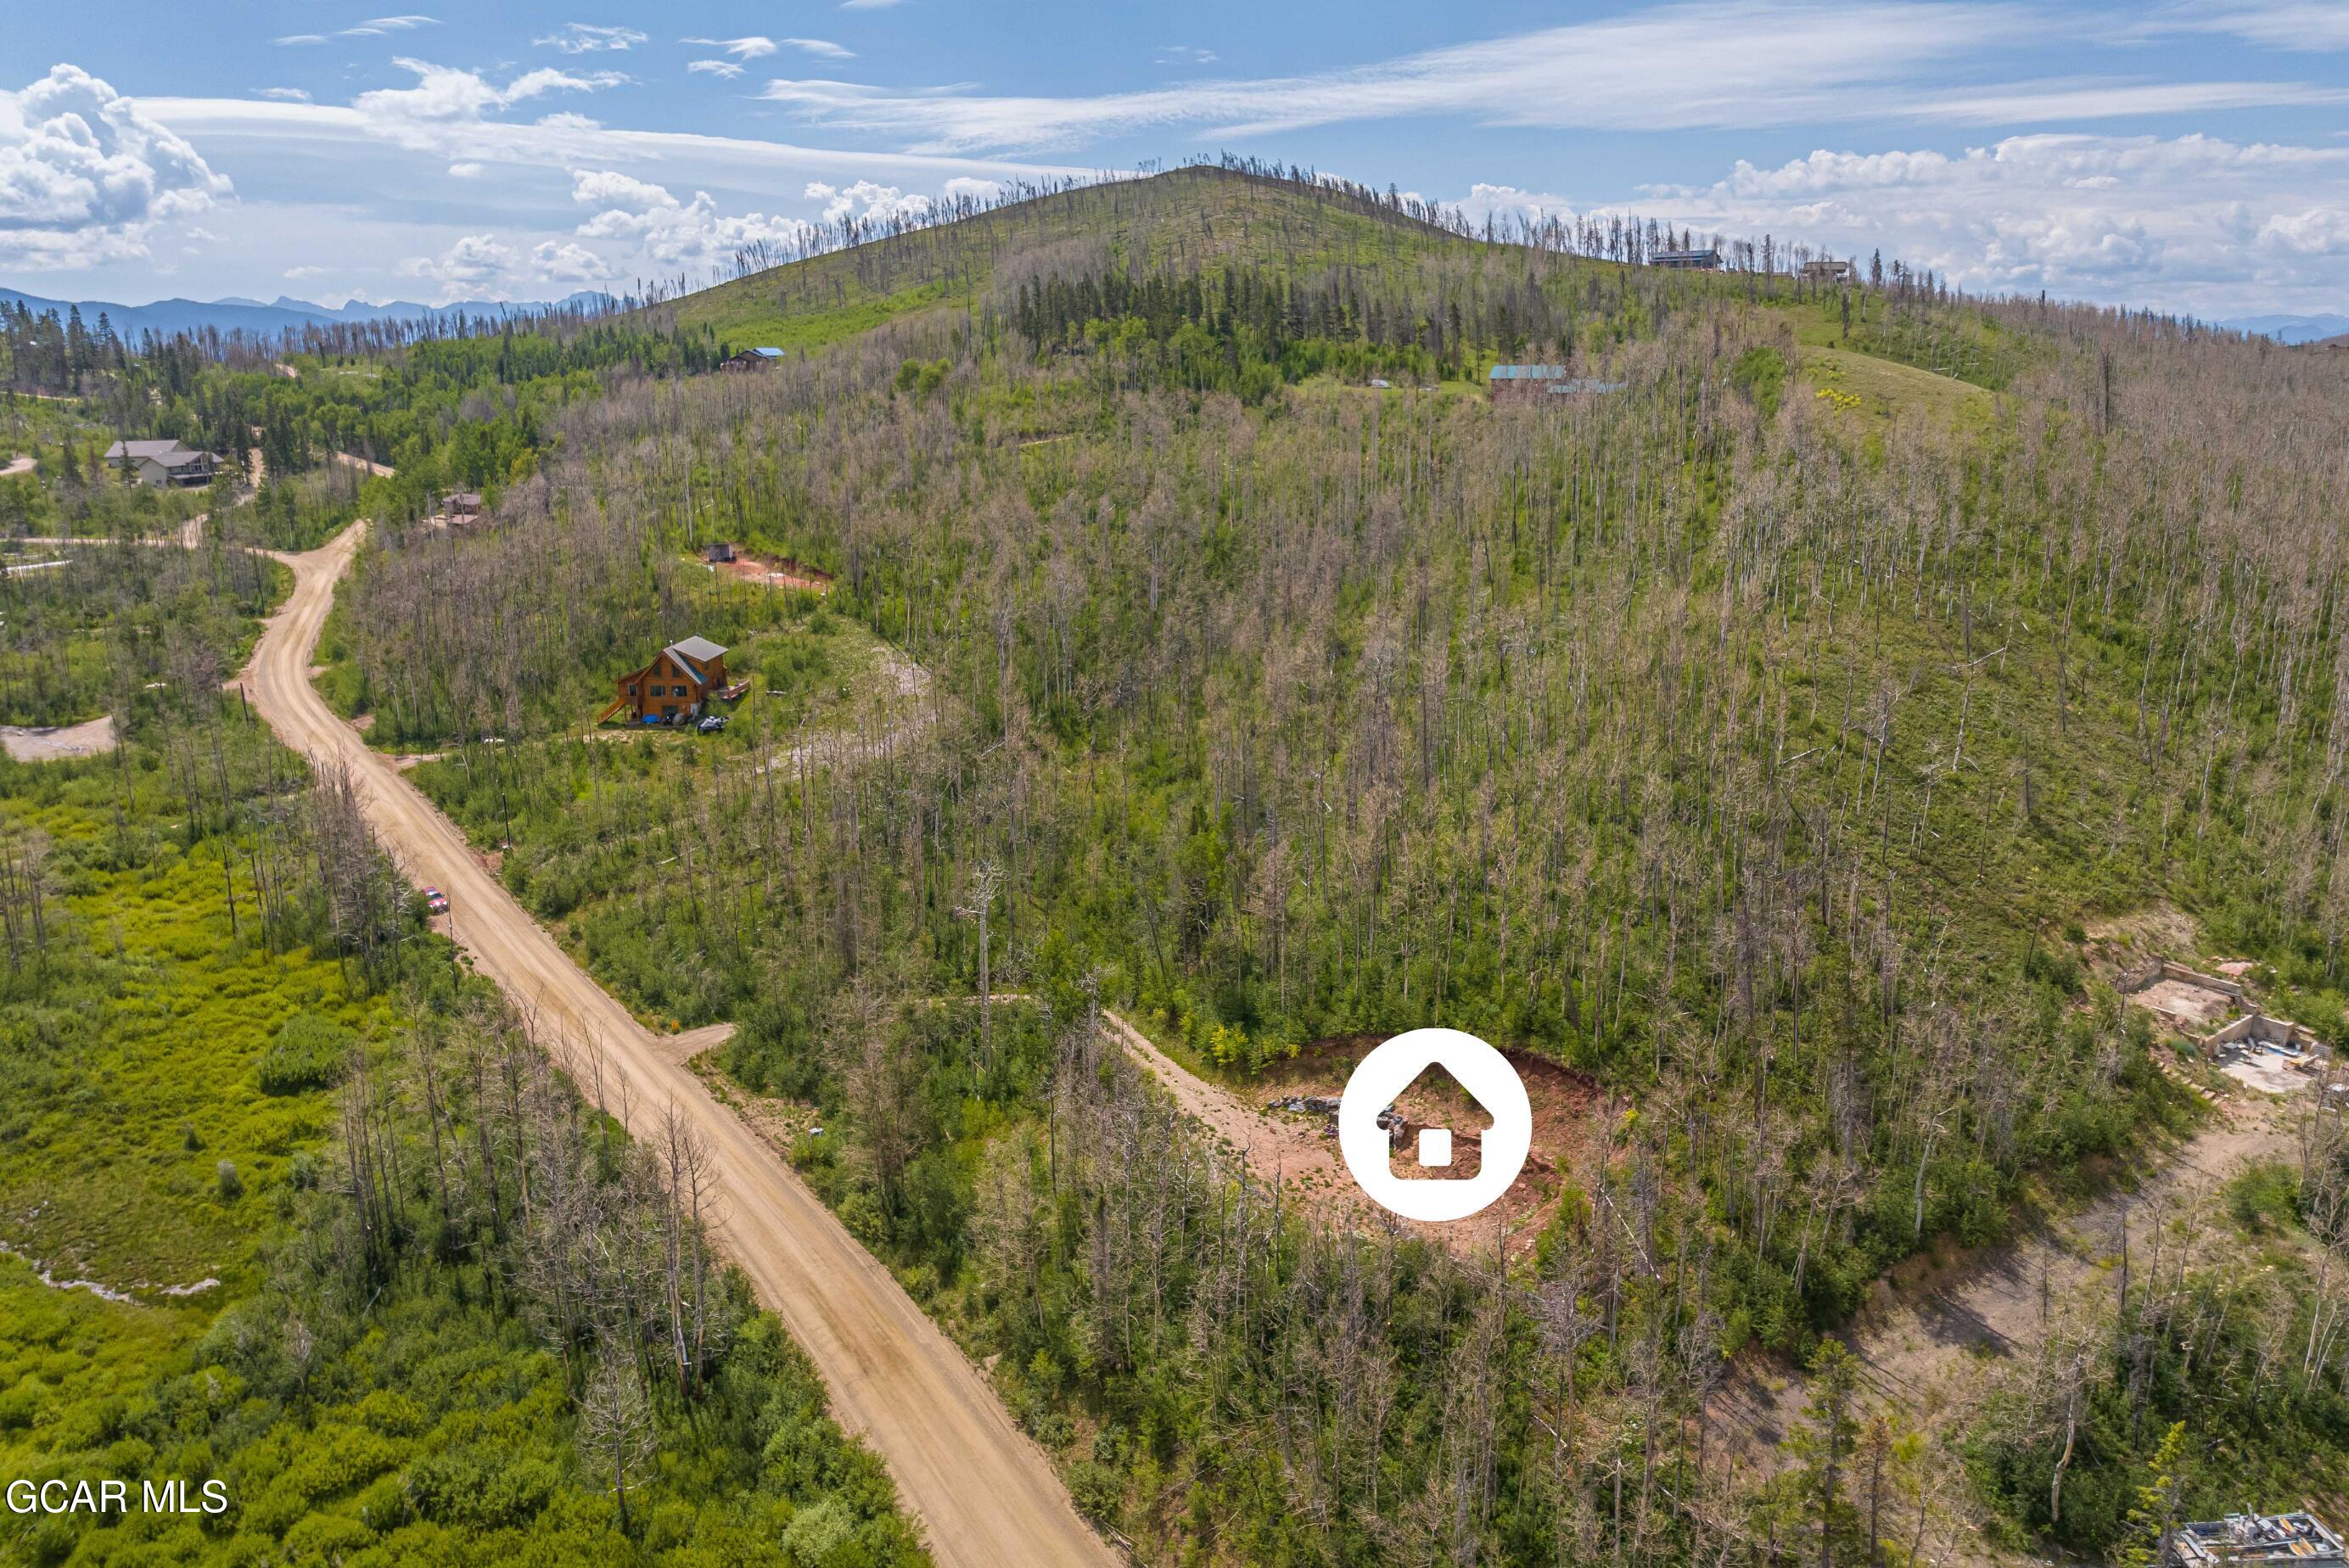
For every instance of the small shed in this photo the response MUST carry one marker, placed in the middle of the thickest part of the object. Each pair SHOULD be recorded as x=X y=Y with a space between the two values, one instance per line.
x=1829 y=271
x=720 y=553
x=461 y=506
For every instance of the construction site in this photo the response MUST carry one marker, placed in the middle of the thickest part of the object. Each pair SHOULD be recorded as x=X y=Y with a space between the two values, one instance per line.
x=2214 y=1019
x=2296 y=1538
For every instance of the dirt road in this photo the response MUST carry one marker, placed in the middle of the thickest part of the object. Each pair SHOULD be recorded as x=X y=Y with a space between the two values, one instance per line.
x=14 y=466
x=986 y=1494
x=1922 y=1345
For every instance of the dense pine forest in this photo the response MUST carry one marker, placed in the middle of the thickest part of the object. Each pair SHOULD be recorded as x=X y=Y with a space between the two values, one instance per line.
x=1767 y=735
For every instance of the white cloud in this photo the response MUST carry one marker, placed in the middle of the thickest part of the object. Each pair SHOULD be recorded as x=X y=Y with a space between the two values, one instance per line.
x=295 y=39
x=86 y=177
x=447 y=109
x=820 y=48
x=963 y=185
x=301 y=275
x=748 y=49
x=866 y=199
x=868 y=5
x=564 y=261
x=283 y=95
x=725 y=68
x=2190 y=223
x=468 y=170
x=2314 y=231
x=610 y=187
x=475 y=262
x=669 y=234
x=581 y=38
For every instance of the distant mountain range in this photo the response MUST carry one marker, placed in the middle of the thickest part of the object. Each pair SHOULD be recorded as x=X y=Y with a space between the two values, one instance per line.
x=168 y=316
x=2291 y=328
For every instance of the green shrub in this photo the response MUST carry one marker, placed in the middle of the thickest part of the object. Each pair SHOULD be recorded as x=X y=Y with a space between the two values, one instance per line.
x=1761 y=374
x=1096 y=1490
x=2264 y=1197
x=308 y=1053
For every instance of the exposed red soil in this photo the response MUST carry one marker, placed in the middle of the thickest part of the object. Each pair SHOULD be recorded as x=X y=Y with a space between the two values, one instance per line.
x=785 y=574
x=1299 y=1147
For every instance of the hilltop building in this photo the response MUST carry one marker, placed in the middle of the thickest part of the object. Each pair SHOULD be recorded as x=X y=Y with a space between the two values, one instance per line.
x=751 y=359
x=163 y=465
x=1705 y=261
x=1518 y=383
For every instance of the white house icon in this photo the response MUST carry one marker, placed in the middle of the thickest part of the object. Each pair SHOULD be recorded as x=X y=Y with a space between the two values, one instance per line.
x=1480 y=1069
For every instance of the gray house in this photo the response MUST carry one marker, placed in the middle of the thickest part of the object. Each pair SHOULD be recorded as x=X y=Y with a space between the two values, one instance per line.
x=163 y=465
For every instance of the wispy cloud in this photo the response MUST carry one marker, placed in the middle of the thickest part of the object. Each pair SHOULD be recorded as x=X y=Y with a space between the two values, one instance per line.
x=460 y=116
x=2303 y=26
x=1714 y=65
x=821 y=48
x=381 y=26
x=373 y=27
x=1727 y=62
x=721 y=68
x=868 y=5
x=283 y=95
x=2049 y=102
x=582 y=38
x=754 y=47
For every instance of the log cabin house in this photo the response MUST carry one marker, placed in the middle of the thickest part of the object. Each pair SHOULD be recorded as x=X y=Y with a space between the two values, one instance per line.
x=675 y=687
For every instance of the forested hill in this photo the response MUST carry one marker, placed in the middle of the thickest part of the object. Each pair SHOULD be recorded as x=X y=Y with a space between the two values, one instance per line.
x=1777 y=742
x=1188 y=221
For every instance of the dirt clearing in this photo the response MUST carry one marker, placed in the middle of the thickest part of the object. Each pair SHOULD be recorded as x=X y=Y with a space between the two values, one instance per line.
x=1298 y=1149
x=58 y=742
x=786 y=573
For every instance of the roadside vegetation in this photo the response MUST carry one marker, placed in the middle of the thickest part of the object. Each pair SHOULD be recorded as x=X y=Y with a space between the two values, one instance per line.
x=116 y=626
x=291 y=1204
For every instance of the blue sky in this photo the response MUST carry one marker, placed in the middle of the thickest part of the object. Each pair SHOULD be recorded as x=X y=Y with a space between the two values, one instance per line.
x=2192 y=155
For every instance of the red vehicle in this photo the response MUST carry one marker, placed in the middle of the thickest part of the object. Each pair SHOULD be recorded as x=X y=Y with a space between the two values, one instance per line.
x=435 y=902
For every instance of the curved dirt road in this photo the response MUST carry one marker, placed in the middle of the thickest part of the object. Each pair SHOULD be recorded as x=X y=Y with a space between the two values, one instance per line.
x=986 y=1493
